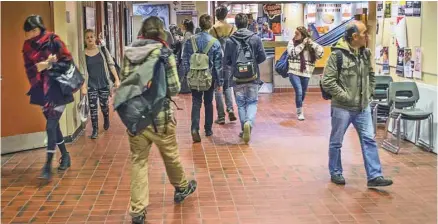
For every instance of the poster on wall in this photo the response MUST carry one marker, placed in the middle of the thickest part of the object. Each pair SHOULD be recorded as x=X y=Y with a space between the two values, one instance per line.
x=394 y=8
x=111 y=39
x=273 y=12
x=417 y=8
x=388 y=9
x=328 y=16
x=407 y=61
x=385 y=56
x=146 y=10
x=399 y=68
x=379 y=10
x=401 y=8
x=90 y=18
x=417 y=63
x=409 y=9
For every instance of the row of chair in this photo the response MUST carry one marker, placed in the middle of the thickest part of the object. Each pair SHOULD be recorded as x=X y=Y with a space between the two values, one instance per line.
x=396 y=101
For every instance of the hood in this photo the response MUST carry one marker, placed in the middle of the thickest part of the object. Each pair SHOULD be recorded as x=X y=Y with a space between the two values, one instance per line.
x=243 y=34
x=140 y=49
x=223 y=29
x=343 y=45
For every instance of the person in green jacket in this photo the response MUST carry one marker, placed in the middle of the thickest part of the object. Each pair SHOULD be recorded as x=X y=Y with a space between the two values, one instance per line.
x=351 y=92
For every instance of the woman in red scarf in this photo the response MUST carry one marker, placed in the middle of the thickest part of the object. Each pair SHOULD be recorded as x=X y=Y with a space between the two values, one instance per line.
x=42 y=52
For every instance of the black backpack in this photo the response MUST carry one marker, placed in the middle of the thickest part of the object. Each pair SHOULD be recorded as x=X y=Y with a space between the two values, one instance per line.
x=245 y=64
x=339 y=61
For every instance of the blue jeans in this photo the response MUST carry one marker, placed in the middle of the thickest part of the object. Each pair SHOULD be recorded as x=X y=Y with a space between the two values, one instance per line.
x=300 y=84
x=227 y=92
x=247 y=96
x=362 y=122
x=196 y=108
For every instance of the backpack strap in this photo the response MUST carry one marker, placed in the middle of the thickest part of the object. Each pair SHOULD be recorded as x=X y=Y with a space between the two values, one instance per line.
x=194 y=46
x=231 y=31
x=215 y=31
x=209 y=45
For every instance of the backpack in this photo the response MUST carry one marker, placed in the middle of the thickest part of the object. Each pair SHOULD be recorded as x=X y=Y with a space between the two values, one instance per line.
x=102 y=48
x=282 y=65
x=339 y=61
x=245 y=63
x=199 y=77
x=142 y=95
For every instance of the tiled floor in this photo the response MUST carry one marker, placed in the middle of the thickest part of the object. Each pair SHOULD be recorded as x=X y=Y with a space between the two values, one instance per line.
x=280 y=177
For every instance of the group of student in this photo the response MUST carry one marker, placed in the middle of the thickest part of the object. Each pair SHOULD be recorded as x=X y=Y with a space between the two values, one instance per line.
x=219 y=57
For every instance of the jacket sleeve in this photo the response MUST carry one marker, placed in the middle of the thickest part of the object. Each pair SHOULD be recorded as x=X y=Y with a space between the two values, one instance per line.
x=372 y=74
x=173 y=84
x=294 y=51
x=64 y=56
x=188 y=51
x=124 y=70
x=217 y=63
x=109 y=58
x=31 y=70
x=330 y=80
x=319 y=50
x=261 y=55
x=83 y=67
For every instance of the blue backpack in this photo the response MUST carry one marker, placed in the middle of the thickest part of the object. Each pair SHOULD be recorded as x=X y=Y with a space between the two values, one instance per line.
x=282 y=65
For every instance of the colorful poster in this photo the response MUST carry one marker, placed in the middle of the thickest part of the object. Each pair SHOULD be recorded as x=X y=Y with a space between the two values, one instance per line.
x=407 y=63
x=399 y=69
x=328 y=16
x=379 y=10
x=417 y=63
x=273 y=12
x=388 y=9
x=385 y=56
x=401 y=8
x=400 y=32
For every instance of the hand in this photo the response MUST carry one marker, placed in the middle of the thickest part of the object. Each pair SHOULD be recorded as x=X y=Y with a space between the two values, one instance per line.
x=42 y=66
x=52 y=58
x=84 y=90
x=117 y=84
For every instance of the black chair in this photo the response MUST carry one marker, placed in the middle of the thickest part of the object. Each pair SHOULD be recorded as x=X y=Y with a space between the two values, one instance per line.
x=379 y=105
x=402 y=97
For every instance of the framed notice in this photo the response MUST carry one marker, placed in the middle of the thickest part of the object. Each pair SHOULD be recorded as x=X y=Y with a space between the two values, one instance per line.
x=407 y=63
x=379 y=9
x=385 y=56
x=399 y=69
x=417 y=63
x=89 y=18
x=388 y=7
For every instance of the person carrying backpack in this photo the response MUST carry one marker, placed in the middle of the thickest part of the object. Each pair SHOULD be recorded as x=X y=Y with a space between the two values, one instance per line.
x=351 y=87
x=202 y=60
x=244 y=52
x=222 y=31
x=150 y=60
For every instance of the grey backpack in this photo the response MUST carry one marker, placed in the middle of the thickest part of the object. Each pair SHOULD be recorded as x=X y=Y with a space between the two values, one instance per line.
x=199 y=77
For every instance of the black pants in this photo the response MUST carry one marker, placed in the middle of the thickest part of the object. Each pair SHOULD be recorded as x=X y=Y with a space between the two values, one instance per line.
x=196 y=108
x=93 y=96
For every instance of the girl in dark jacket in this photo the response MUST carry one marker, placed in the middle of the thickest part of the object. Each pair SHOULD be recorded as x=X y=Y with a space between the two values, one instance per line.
x=44 y=51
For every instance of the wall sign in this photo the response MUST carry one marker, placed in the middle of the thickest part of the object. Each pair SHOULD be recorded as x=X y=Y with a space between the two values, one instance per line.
x=417 y=63
x=328 y=16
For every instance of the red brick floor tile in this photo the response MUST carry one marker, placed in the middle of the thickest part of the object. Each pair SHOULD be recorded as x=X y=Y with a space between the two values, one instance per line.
x=280 y=177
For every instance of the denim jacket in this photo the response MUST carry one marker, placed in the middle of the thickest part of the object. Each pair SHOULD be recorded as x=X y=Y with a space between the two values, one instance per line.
x=214 y=55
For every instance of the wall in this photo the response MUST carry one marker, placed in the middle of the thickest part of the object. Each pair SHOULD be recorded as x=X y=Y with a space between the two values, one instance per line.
x=293 y=15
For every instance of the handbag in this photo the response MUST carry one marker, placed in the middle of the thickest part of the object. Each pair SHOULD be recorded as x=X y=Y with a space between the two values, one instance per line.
x=70 y=81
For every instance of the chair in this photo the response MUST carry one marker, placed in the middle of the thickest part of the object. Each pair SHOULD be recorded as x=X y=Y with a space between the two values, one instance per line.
x=380 y=109
x=402 y=97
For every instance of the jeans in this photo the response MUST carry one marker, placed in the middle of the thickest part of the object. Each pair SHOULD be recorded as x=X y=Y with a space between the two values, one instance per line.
x=300 y=84
x=228 y=93
x=246 y=100
x=196 y=108
x=362 y=122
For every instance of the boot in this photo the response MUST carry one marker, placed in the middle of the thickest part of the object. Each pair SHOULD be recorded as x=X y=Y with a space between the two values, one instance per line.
x=106 y=123
x=46 y=173
x=64 y=162
x=94 y=134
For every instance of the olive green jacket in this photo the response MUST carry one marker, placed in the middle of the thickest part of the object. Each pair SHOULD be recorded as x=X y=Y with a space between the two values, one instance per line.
x=354 y=87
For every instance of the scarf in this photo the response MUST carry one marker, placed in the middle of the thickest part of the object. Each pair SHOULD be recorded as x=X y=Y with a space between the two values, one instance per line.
x=307 y=48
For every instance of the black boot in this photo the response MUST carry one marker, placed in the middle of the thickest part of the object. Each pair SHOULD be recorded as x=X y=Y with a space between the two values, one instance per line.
x=95 y=133
x=106 y=123
x=46 y=173
x=64 y=162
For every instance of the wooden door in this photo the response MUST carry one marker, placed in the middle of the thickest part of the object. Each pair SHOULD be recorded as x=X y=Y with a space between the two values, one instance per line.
x=18 y=116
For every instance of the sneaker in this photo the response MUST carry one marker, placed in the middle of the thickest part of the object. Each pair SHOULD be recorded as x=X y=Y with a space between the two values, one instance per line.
x=379 y=182
x=183 y=193
x=138 y=219
x=195 y=136
x=208 y=133
x=338 y=179
x=232 y=116
x=301 y=117
x=246 y=132
x=220 y=121
x=64 y=162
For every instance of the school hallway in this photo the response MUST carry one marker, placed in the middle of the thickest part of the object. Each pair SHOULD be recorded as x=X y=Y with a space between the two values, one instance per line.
x=280 y=177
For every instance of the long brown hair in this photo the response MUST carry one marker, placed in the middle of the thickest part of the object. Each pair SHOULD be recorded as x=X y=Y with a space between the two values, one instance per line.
x=305 y=34
x=153 y=28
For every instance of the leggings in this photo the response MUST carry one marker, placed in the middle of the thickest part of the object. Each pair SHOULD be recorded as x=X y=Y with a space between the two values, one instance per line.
x=93 y=96
x=54 y=134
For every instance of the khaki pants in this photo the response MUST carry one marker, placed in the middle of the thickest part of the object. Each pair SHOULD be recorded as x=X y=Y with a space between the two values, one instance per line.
x=140 y=147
